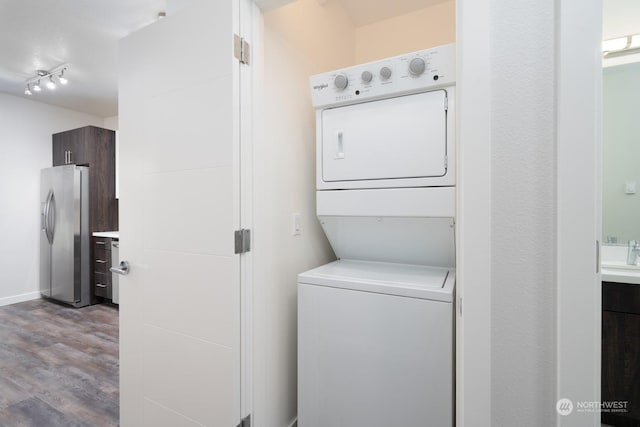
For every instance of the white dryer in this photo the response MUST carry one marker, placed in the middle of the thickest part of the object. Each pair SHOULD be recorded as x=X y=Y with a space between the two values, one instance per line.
x=387 y=124
x=376 y=327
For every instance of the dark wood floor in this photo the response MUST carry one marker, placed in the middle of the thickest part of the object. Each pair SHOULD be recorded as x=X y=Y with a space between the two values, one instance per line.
x=58 y=365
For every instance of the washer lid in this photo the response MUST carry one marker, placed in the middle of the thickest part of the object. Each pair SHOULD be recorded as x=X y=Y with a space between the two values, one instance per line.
x=415 y=281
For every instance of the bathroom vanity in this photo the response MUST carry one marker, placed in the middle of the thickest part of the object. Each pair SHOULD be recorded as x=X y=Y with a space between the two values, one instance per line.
x=621 y=351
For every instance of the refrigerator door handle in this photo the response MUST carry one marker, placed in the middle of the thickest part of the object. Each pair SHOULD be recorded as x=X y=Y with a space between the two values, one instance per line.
x=47 y=217
x=43 y=223
x=51 y=216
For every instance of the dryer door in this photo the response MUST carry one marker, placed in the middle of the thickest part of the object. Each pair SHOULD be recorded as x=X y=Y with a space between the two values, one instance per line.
x=395 y=138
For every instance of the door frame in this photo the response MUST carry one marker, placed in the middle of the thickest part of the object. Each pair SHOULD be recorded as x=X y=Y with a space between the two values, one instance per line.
x=578 y=101
x=579 y=215
x=249 y=116
x=578 y=122
x=473 y=264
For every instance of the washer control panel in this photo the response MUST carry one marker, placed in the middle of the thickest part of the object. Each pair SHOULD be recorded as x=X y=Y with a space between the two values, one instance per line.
x=412 y=72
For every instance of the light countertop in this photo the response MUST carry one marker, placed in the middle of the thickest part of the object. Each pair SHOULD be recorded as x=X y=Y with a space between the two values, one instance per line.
x=615 y=268
x=631 y=277
x=110 y=234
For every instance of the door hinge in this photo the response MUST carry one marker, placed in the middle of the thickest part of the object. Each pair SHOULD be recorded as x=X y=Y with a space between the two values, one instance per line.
x=246 y=421
x=242 y=240
x=446 y=103
x=241 y=49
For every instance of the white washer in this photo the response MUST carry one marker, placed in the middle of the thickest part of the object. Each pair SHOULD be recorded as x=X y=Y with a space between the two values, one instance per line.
x=375 y=346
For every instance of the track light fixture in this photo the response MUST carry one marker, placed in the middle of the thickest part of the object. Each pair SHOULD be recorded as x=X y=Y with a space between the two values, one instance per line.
x=33 y=83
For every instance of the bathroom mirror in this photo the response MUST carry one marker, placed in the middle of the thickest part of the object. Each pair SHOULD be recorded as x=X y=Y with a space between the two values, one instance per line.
x=621 y=154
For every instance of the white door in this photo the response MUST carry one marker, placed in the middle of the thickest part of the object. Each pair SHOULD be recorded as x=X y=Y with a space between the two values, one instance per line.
x=179 y=206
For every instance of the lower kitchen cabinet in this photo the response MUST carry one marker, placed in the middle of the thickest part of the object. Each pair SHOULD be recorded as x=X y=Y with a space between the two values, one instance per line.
x=101 y=267
x=103 y=286
x=621 y=351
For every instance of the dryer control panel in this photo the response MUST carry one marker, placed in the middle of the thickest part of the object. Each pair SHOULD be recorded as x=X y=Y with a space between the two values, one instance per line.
x=404 y=74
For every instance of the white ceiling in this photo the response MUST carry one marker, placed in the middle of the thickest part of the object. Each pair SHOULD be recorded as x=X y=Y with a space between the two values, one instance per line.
x=41 y=34
x=37 y=34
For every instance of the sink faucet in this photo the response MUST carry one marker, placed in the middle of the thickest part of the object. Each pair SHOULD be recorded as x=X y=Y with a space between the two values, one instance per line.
x=633 y=251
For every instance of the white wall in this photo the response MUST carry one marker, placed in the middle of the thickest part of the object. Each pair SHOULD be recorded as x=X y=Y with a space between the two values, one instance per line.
x=619 y=19
x=523 y=213
x=421 y=29
x=300 y=39
x=26 y=127
x=110 y=123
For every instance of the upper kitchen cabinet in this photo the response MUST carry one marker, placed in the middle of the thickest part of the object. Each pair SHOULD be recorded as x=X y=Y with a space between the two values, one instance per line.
x=69 y=148
x=74 y=147
x=94 y=147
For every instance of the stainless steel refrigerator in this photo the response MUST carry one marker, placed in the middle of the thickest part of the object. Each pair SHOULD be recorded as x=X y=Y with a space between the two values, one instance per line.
x=64 y=236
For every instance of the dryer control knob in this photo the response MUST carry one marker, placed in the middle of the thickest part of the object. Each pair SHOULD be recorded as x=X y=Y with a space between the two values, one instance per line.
x=417 y=66
x=385 y=73
x=366 y=76
x=341 y=81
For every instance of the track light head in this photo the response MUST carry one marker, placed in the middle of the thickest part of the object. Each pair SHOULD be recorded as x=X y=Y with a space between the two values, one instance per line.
x=36 y=86
x=61 y=78
x=51 y=85
x=27 y=91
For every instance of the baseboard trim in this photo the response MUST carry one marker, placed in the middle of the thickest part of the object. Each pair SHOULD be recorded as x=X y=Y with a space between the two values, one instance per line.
x=19 y=298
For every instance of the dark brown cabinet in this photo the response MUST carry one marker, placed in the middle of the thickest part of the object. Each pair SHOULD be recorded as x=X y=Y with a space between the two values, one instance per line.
x=102 y=263
x=73 y=147
x=621 y=351
x=93 y=147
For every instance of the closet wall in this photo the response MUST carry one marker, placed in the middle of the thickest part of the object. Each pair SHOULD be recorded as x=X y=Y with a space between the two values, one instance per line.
x=301 y=39
x=421 y=29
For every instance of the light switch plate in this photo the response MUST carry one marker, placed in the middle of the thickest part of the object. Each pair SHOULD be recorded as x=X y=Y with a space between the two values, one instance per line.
x=297 y=224
x=630 y=187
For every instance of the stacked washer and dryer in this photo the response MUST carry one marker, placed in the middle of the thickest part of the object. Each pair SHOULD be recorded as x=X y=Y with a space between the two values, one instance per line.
x=376 y=327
